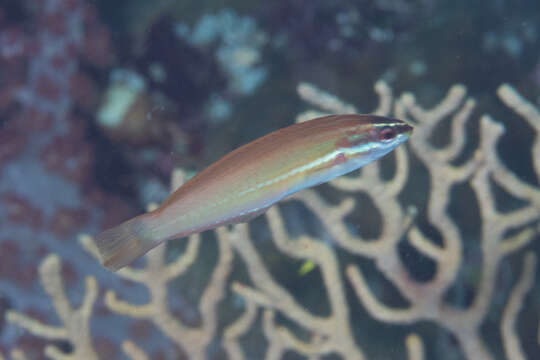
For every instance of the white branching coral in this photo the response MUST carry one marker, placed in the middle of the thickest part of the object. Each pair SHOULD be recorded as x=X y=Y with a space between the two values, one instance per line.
x=76 y=322
x=156 y=276
x=426 y=299
x=501 y=233
x=16 y=354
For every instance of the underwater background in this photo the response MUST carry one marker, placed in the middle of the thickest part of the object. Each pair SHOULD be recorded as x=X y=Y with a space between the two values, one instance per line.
x=430 y=253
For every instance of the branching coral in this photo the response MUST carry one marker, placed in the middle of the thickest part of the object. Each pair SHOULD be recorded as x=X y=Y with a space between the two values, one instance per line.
x=502 y=232
x=426 y=299
x=75 y=327
x=156 y=277
x=16 y=354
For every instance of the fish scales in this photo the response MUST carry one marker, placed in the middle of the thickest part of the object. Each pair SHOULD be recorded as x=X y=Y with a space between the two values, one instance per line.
x=244 y=183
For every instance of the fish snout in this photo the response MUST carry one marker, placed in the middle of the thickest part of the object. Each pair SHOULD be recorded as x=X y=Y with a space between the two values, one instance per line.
x=406 y=129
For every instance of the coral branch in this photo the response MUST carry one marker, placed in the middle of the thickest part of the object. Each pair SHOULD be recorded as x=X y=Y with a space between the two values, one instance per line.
x=324 y=100
x=15 y=354
x=276 y=345
x=415 y=347
x=424 y=245
x=526 y=110
x=376 y=308
x=37 y=328
x=385 y=98
x=336 y=327
x=156 y=277
x=133 y=351
x=427 y=299
x=76 y=328
x=238 y=328
x=511 y=343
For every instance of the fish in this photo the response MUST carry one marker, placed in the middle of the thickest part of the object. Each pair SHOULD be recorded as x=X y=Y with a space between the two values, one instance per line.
x=246 y=182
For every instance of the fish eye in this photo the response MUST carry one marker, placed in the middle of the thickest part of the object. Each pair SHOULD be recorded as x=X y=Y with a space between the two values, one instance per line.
x=387 y=133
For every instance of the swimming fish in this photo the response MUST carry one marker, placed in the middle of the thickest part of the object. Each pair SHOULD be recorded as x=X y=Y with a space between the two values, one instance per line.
x=247 y=181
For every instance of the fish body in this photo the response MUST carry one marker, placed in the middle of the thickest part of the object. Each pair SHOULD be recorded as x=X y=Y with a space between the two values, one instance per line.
x=244 y=183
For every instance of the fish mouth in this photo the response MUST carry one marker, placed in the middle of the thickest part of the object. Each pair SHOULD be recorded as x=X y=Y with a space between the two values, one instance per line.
x=403 y=128
x=406 y=129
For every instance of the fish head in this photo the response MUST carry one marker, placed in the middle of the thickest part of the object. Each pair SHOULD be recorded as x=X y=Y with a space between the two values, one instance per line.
x=373 y=137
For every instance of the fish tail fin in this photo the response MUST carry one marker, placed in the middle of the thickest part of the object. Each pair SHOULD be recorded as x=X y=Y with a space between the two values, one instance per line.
x=124 y=243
